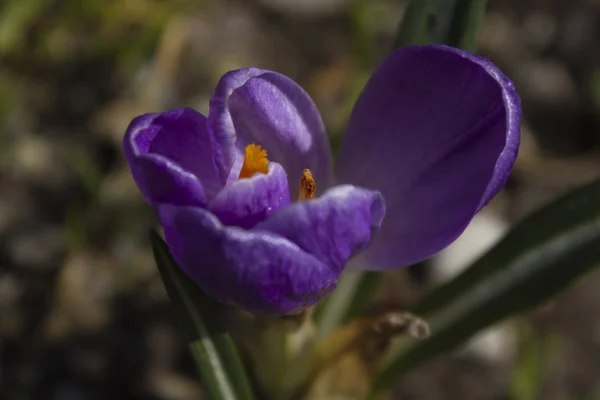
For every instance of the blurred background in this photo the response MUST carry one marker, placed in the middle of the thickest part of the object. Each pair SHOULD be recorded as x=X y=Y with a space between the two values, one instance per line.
x=83 y=314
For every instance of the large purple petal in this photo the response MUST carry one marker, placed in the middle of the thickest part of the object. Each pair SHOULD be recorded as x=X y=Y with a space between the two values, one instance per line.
x=159 y=179
x=436 y=130
x=260 y=272
x=271 y=110
x=246 y=202
x=182 y=136
x=333 y=227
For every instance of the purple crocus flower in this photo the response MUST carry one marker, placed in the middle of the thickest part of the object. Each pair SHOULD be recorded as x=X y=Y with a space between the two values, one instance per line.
x=432 y=139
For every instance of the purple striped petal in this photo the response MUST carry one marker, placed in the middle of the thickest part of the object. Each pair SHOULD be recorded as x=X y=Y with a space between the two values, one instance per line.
x=271 y=110
x=258 y=271
x=181 y=137
x=221 y=124
x=246 y=202
x=436 y=130
x=159 y=179
x=333 y=227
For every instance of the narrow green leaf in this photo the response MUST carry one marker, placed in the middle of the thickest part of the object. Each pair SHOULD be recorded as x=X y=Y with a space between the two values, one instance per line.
x=452 y=22
x=349 y=300
x=443 y=20
x=566 y=214
x=459 y=22
x=415 y=27
x=537 y=353
x=211 y=346
x=365 y=290
x=540 y=257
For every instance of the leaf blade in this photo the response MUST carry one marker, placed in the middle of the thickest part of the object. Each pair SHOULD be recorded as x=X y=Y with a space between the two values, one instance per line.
x=537 y=259
x=211 y=346
x=466 y=20
x=349 y=300
x=415 y=25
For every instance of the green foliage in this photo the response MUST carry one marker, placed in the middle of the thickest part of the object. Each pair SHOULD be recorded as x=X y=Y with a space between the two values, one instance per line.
x=540 y=257
x=213 y=350
x=458 y=23
x=416 y=25
x=352 y=296
x=536 y=355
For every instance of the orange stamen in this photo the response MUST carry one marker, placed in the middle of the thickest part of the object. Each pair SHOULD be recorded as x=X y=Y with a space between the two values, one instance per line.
x=308 y=186
x=255 y=161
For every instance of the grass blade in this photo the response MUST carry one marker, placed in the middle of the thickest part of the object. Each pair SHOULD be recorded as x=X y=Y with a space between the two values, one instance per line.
x=216 y=357
x=415 y=27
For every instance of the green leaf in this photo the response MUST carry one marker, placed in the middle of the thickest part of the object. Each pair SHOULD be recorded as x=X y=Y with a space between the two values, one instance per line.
x=459 y=22
x=537 y=353
x=213 y=350
x=452 y=22
x=415 y=27
x=349 y=300
x=540 y=257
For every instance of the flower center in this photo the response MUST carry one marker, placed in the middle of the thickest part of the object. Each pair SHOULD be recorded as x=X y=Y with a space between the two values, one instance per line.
x=255 y=161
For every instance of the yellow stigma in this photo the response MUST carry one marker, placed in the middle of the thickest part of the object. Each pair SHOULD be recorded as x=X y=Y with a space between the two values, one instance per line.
x=308 y=186
x=255 y=161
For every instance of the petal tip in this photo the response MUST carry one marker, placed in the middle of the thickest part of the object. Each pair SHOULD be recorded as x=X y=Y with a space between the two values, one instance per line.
x=377 y=209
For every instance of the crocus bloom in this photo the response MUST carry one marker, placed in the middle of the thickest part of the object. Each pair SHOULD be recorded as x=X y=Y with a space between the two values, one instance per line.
x=432 y=139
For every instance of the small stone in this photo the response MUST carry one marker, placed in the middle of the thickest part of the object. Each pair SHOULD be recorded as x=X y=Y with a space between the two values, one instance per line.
x=38 y=160
x=15 y=204
x=547 y=82
x=10 y=293
x=37 y=246
x=81 y=300
x=540 y=30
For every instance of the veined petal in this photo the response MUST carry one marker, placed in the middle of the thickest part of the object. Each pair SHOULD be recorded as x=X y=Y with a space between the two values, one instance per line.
x=332 y=227
x=159 y=179
x=436 y=130
x=246 y=202
x=180 y=136
x=271 y=110
x=221 y=124
x=260 y=272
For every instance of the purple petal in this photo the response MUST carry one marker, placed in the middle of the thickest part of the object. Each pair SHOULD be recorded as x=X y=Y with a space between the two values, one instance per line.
x=257 y=271
x=333 y=227
x=159 y=179
x=271 y=110
x=246 y=202
x=182 y=137
x=436 y=130
x=221 y=124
